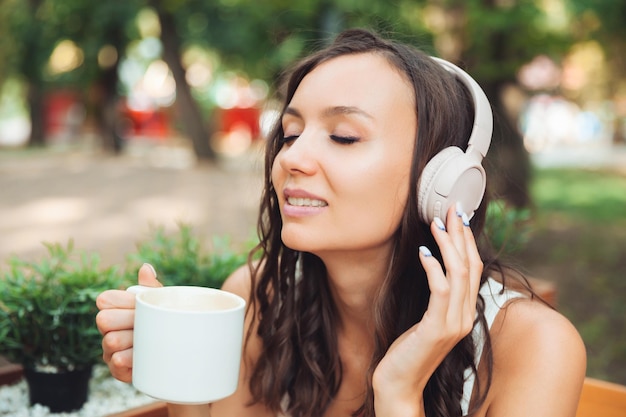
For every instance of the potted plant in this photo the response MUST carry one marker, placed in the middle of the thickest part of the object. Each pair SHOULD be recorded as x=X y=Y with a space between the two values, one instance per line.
x=47 y=323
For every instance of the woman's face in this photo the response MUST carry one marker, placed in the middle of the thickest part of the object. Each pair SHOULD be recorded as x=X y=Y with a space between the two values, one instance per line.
x=342 y=175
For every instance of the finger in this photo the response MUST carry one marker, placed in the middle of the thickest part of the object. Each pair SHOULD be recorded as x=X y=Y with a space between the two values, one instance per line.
x=116 y=341
x=439 y=287
x=121 y=365
x=147 y=276
x=452 y=243
x=454 y=224
x=475 y=263
x=461 y=288
x=446 y=238
x=461 y=291
x=112 y=299
x=115 y=319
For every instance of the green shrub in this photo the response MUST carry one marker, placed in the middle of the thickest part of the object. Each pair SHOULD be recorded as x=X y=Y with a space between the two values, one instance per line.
x=180 y=258
x=47 y=309
x=508 y=228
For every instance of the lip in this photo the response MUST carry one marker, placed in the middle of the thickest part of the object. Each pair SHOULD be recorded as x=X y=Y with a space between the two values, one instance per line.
x=290 y=192
x=299 y=211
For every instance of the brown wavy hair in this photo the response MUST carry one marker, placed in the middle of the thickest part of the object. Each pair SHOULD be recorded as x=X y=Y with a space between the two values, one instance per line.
x=299 y=370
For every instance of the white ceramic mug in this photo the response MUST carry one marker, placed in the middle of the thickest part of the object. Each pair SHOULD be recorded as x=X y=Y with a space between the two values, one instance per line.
x=187 y=343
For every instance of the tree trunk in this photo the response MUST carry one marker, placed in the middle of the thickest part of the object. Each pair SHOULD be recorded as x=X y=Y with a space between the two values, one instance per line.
x=37 y=117
x=106 y=106
x=508 y=159
x=193 y=123
x=508 y=163
x=30 y=69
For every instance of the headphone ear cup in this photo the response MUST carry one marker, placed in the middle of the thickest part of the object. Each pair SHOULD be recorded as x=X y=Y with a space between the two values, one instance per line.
x=427 y=180
x=451 y=176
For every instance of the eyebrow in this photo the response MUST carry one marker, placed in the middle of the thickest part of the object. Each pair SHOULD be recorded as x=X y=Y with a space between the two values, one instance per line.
x=334 y=111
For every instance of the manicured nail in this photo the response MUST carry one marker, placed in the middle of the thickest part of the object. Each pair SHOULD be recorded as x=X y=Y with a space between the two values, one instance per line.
x=459 y=209
x=439 y=224
x=425 y=251
x=151 y=268
x=465 y=220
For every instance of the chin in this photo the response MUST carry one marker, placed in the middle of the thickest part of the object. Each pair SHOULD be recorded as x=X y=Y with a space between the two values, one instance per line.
x=295 y=244
x=298 y=241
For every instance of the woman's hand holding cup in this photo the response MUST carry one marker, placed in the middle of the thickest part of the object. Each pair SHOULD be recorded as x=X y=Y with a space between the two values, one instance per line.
x=179 y=344
x=116 y=322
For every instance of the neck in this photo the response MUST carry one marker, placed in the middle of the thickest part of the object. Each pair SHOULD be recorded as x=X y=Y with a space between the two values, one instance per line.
x=355 y=280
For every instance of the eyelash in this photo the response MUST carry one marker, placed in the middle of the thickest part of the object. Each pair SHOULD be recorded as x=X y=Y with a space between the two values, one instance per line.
x=287 y=139
x=342 y=140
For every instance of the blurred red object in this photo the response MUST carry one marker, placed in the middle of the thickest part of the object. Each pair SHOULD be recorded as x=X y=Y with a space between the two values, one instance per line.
x=238 y=117
x=63 y=110
x=143 y=122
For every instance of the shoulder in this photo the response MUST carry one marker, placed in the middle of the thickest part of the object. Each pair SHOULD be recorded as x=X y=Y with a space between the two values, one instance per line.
x=240 y=282
x=539 y=361
x=241 y=403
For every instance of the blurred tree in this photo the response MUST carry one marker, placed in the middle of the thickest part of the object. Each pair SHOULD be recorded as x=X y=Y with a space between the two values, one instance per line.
x=605 y=22
x=26 y=44
x=34 y=28
x=260 y=39
x=193 y=123
x=492 y=39
x=107 y=30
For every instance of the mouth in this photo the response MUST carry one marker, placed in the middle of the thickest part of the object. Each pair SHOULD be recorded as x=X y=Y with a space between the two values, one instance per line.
x=305 y=202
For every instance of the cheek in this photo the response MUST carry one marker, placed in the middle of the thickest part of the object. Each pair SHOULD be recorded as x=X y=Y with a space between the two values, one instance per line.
x=393 y=184
x=277 y=174
x=379 y=193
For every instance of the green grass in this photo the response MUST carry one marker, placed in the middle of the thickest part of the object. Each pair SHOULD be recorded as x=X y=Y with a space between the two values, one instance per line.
x=578 y=241
x=588 y=196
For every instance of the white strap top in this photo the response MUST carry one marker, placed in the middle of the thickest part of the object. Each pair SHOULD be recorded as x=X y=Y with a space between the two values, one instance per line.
x=495 y=297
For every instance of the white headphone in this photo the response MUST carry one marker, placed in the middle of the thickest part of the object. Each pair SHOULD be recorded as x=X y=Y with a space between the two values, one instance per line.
x=452 y=175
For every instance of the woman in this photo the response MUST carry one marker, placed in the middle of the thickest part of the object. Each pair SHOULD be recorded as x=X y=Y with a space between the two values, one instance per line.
x=347 y=316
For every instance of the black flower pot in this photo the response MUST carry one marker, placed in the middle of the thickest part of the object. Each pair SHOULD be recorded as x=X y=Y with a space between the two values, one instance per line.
x=59 y=391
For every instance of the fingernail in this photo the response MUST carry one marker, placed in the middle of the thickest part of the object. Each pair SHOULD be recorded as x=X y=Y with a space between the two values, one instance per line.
x=465 y=219
x=425 y=251
x=440 y=224
x=459 y=209
x=151 y=268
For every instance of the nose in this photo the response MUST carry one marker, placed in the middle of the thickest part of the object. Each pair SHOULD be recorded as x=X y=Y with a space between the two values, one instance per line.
x=299 y=155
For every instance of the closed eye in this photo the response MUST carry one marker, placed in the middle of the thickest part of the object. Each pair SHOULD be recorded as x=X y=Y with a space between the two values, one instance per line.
x=288 y=139
x=344 y=140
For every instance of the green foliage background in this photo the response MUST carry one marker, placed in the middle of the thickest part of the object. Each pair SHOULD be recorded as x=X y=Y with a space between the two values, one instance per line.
x=48 y=306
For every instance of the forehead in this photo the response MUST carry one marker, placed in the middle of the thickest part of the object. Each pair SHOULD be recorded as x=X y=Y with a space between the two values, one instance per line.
x=366 y=81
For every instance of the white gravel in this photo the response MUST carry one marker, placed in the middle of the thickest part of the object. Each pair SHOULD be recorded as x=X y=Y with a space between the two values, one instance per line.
x=106 y=396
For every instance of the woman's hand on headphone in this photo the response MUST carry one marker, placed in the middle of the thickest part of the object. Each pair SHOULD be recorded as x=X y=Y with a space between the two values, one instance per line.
x=402 y=374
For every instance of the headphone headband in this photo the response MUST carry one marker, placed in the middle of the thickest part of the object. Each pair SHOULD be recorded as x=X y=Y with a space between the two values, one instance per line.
x=480 y=139
x=453 y=176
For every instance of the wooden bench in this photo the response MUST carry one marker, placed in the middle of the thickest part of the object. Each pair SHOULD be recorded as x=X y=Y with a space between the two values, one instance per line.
x=157 y=409
x=598 y=399
x=602 y=399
